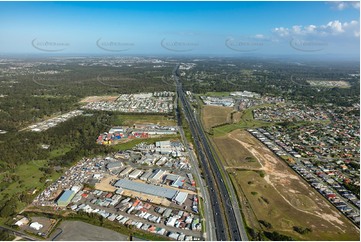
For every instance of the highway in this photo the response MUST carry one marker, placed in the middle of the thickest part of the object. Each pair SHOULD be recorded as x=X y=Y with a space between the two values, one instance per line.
x=208 y=217
x=233 y=201
x=225 y=218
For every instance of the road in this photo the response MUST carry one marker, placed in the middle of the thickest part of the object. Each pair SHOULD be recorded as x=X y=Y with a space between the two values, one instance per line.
x=226 y=223
x=19 y=234
x=233 y=201
x=208 y=217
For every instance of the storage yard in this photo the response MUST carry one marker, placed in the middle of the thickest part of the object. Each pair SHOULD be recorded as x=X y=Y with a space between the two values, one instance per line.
x=124 y=133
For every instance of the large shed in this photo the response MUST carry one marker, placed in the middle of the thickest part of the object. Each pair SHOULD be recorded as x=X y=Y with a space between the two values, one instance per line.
x=181 y=198
x=65 y=198
x=146 y=188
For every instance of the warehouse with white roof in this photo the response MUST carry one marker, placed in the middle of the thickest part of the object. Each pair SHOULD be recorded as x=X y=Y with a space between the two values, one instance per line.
x=158 y=191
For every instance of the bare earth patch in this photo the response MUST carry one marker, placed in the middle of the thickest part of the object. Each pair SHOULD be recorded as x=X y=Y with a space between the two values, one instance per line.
x=104 y=184
x=216 y=115
x=93 y=99
x=282 y=197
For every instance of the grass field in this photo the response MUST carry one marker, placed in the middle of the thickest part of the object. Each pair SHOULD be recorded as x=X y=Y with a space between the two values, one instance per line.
x=59 y=152
x=215 y=115
x=29 y=176
x=235 y=157
x=129 y=120
x=277 y=195
x=217 y=94
x=246 y=121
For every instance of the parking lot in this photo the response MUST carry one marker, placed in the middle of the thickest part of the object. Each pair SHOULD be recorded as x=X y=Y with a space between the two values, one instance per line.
x=80 y=231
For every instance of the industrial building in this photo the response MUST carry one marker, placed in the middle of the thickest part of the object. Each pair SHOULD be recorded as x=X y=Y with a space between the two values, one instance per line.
x=118 y=130
x=157 y=175
x=175 y=180
x=125 y=171
x=135 y=174
x=114 y=166
x=65 y=198
x=23 y=221
x=245 y=94
x=180 y=198
x=146 y=175
x=163 y=147
x=36 y=226
x=146 y=188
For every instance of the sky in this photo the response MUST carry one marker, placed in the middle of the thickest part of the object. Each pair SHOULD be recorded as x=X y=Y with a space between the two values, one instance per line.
x=329 y=29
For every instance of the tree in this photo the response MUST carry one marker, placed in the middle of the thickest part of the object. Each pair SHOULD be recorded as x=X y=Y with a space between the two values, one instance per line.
x=26 y=198
x=301 y=230
x=5 y=236
x=9 y=208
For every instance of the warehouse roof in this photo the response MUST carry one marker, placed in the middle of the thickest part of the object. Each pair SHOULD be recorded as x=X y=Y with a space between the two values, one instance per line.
x=181 y=197
x=179 y=182
x=66 y=196
x=172 y=177
x=116 y=164
x=146 y=188
x=163 y=144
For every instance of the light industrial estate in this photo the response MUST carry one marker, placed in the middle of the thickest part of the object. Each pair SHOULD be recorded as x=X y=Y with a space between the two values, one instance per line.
x=160 y=200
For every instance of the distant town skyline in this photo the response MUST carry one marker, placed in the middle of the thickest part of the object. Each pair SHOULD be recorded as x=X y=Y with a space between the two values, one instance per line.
x=322 y=29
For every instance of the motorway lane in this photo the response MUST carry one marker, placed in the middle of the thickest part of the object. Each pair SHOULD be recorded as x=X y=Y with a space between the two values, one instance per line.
x=213 y=180
x=208 y=217
x=233 y=202
x=221 y=225
x=218 y=218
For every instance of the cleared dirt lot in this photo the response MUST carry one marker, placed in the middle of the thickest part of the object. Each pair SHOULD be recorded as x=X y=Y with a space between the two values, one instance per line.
x=131 y=119
x=145 y=197
x=80 y=231
x=92 y=99
x=278 y=195
x=104 y=184
x=215 y=115
x=235 y=157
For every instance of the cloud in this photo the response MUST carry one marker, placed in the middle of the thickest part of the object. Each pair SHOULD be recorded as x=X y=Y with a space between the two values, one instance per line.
x=356 y=5
x=332 y=28
x=340 y=5
x=281 y=31
x=259 y=36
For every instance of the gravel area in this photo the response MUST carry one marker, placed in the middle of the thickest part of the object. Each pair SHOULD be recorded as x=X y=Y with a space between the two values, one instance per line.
x=80 y=231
